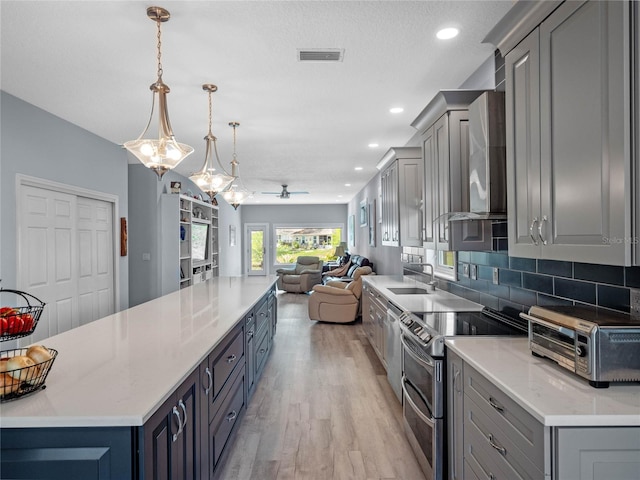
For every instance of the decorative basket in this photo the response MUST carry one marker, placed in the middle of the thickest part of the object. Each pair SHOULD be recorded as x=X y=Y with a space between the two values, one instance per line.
x=22 y=381
x=18 y=321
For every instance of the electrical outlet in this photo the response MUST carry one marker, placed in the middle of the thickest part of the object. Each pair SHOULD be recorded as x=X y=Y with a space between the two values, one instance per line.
x=634 y=295
x=495 y=276
x=473 y=271
x=465 y=270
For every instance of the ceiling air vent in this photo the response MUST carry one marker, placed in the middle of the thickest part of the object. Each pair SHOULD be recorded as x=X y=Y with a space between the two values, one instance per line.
x=320 y=55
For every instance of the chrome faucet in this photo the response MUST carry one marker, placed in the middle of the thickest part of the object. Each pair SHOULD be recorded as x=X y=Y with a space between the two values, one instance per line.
x=433 y=283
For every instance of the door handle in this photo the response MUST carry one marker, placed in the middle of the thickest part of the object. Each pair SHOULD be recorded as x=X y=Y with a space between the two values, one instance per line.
x=531 y=227
x=175 y=412
x=544 y=220
x=208 y=389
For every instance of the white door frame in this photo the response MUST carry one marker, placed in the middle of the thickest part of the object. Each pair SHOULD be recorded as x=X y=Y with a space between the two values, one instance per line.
x=26 y=180
x=248 y=227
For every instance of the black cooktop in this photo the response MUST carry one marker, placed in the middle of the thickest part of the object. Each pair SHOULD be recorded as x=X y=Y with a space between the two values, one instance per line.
x=486 y=322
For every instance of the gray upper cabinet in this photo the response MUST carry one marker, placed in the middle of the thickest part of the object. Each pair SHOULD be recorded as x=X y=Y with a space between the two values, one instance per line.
x=445 y=151
x=410 y=196
x=390 y=213
x=568 y=136
x=401 y=188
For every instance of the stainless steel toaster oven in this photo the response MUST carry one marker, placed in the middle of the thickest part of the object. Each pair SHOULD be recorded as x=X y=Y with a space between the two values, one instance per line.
x=600 y=345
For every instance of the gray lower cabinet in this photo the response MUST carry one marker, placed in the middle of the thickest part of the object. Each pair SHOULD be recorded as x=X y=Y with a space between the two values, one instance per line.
x=170 y=439
x=491 y=437
x=373 y=320
x=568 y=136
x=597 y=453
x=455 y=416
x=250 y=352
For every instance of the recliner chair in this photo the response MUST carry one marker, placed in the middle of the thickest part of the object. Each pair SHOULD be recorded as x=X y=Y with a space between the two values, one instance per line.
x=337 y=301
x=302 y=277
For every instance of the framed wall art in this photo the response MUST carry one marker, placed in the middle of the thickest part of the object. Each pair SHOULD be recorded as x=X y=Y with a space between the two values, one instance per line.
x=364 y=216
x=372 y=224
x=351 y=231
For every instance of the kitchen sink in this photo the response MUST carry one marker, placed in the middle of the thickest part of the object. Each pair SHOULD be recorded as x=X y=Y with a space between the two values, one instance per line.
x=408 y=291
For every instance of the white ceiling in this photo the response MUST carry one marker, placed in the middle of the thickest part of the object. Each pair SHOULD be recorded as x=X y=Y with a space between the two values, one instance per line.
x=304 y=124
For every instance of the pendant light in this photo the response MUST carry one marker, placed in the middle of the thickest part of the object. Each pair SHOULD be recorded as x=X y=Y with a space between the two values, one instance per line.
x=206 y=179
x=236 y=193
x=161 y=153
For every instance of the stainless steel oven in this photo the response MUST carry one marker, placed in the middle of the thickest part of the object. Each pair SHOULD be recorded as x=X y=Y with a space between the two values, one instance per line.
x=423 y=382
x=422 y=391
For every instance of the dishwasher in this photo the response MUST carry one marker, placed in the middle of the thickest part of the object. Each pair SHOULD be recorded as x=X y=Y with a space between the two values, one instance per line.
x=393 y=352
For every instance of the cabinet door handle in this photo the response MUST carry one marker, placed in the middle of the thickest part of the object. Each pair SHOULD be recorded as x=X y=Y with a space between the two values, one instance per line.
x=492 y=476
x=231 y=416
x=531 y=227
x=544 y=219
x=208 y=389
x=175 y=412
x=499 y=448
x=250 y=333
x=262 y=350
x=495 y=405
x=231 y=358
x=184 y=410
x=455 y=382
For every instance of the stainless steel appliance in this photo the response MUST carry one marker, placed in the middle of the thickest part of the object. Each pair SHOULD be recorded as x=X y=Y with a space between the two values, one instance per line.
x=423 y=380
x=599 y=345
x=393 y=348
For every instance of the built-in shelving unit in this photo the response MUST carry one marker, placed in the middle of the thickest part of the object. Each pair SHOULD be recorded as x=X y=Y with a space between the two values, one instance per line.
x=197 y=246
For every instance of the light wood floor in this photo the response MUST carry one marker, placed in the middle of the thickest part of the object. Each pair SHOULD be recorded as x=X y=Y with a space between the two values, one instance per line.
x=323 y=408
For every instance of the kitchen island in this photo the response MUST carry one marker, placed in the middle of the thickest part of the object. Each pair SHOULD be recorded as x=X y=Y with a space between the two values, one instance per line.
x=527 y=417
x=114 y=377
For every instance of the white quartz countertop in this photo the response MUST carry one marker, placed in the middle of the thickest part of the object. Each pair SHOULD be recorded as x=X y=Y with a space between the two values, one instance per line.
x=116 y=371
x=553 y=395
x=438 y=301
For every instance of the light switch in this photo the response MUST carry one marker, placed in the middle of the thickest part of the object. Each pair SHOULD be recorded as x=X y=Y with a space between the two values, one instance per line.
x=473 y=271
x=146 y=257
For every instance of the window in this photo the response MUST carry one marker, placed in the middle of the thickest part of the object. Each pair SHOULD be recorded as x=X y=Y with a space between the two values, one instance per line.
x=292 y=241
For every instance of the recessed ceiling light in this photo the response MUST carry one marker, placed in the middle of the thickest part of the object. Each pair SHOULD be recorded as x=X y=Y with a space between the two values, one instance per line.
x=396 y=110
x=358 y=168
x=347 y=184
x=339 y=196
x=373 y=145
x=447 y=33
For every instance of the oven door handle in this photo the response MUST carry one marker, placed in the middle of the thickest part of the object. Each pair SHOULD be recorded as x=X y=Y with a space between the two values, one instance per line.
x=422 y=361
x=557 y=328
x=428 y=420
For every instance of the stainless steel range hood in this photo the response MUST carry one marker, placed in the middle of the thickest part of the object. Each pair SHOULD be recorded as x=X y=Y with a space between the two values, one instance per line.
x=487 y=160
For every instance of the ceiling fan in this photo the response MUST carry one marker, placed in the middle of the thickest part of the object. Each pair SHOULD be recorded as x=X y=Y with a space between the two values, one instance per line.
x=284 y=194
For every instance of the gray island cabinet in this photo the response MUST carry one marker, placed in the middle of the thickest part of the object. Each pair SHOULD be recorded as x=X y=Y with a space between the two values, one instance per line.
x=514 y=416
x=159 y=396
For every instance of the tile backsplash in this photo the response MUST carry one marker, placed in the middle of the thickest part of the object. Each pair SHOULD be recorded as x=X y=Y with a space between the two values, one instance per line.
x=522 y=282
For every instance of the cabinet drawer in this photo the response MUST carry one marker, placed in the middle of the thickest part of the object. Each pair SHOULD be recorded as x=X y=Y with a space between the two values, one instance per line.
x=224 y=421
x=483 y=437
x=518 y=426
x=262 y=351
x=223 y=365
x=470 y=474
x=262 y=316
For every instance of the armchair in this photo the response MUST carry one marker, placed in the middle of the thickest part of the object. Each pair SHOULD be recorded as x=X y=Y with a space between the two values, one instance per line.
x=306 y=273
x=337 y=301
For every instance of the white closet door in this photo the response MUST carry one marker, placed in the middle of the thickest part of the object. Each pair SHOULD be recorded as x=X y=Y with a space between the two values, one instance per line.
x=47 y=262
x=95 y=259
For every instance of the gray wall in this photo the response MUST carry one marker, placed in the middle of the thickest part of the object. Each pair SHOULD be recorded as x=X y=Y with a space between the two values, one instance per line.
x=230 y=257
x=300 y=214
x=39 y=144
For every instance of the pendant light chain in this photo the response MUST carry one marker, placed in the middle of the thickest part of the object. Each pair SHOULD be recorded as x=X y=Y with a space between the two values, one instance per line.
x=210 y=108
x=159 y=35
x=234 y=141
